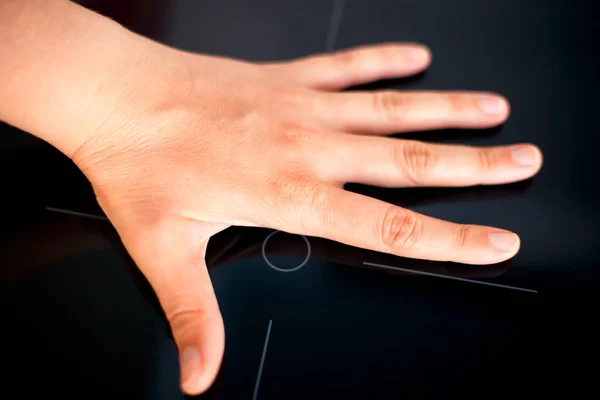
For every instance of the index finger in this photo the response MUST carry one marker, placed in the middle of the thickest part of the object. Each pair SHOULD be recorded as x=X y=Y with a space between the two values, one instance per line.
x=362 y=221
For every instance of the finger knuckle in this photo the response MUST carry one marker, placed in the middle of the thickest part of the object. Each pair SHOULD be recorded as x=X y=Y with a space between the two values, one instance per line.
x=400 y=229
x=297 y=197
x=486 y=160
x=348 y=56
x=391 y=105
x=360 y=58
x=317 y=204
x=286 y=96
x=461 y=236
x=291 y=187
x=460 y=103
x=189 y=312
x=417 y=160
x=298 y=136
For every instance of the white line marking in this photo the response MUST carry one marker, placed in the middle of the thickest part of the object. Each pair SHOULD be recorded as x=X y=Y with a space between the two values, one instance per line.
x=451 y=277
x=76 y=213
x=334 y=24
x=262 y=360
x=297 y=267
x=227 y=247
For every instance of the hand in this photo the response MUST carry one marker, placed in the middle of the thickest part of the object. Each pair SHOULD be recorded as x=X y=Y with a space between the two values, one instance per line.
x=201 y=143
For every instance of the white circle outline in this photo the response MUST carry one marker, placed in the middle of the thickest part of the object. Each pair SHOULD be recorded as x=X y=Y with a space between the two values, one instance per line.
x=296 y=268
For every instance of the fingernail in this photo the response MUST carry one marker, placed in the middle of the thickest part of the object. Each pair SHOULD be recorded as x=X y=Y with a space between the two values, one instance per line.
x=417 y=54
x=190 y=361
x=490 y=105
x=525 y=155
x=503 y=241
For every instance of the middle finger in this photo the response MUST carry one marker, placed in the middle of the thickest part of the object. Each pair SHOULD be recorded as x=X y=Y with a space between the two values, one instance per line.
x=390 y=162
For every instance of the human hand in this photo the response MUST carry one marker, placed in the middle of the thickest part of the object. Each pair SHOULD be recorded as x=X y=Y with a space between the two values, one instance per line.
x=200 y=143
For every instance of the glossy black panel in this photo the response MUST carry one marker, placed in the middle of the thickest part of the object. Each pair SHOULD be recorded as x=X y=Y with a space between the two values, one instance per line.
x=77 y=313
x=257 y=30
x=543 y=57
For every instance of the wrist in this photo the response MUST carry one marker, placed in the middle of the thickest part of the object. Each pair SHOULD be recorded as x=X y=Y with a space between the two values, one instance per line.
x=70 y=73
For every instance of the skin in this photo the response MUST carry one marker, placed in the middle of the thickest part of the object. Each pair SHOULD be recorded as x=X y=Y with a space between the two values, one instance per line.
x=179 y=146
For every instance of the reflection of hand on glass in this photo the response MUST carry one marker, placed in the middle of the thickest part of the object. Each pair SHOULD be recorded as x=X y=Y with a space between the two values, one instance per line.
x=179 y=146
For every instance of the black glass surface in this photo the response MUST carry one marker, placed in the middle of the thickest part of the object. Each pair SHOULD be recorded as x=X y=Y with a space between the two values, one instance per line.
x=80 y=320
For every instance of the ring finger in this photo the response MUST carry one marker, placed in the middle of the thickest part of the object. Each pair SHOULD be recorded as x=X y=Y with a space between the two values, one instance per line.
x=385 y=112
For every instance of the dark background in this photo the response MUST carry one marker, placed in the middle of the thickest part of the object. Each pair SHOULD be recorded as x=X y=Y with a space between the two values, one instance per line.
x=79 y=320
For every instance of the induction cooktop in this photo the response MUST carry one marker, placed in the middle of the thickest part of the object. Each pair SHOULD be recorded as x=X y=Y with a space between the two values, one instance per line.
x=308 y=318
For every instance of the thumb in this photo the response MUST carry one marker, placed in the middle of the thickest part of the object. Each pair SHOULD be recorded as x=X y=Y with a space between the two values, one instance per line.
x=172 y=259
